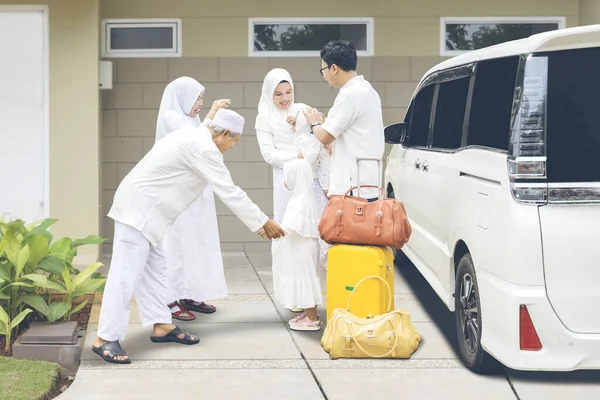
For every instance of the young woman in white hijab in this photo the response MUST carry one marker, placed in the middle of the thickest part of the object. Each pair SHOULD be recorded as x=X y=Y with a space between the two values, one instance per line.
x=192 y=246
x=283 y=135
x=296 y=255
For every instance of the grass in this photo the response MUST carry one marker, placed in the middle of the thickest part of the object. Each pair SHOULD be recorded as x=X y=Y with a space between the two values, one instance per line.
x=27 y=380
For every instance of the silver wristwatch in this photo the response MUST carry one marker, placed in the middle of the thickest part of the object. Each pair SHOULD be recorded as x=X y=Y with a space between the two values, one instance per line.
x=312 y=125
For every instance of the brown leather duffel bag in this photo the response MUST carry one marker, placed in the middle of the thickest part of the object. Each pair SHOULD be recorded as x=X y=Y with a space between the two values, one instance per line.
x=355 y=220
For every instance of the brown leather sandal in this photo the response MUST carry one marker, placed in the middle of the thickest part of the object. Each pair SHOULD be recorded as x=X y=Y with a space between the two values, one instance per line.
x=182 y=314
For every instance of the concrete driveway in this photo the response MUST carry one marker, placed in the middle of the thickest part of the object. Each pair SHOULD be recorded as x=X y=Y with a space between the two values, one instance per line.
x=247 y=352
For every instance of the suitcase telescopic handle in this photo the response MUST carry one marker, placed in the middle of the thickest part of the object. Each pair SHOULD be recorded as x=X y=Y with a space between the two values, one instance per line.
x=379 y=164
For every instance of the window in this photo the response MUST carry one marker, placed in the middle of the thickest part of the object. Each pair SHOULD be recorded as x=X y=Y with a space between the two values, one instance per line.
x=418 y=131
x=573 y=126
x=296 y=37
x=459 y=35
x=491 y=105
x=132 y=38
x=450 y=113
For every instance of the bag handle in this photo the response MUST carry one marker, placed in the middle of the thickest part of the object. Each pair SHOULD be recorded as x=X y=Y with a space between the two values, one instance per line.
x=380 y=172
x=364 y=186
x=389 y=307
x=373 y=355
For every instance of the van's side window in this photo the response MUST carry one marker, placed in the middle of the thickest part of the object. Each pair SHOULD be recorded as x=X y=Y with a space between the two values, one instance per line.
x=489 y=121
x=450 y=114
x=418 y=130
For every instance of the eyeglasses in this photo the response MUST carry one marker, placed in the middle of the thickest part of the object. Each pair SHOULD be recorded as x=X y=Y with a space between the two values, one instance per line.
x=324 y=68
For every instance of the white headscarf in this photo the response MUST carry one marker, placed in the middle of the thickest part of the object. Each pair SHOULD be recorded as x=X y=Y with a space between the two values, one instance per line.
x=270 y=117
x=301 y=213
x=177 y=101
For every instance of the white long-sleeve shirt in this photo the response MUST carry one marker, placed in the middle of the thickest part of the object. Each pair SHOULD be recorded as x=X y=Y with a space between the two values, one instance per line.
x=286 y=148
x=272 y=154
x=171 y=176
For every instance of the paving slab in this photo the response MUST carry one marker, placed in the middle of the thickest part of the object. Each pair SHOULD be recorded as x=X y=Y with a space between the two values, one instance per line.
x=260 y=261
x=235 y=308
x=250 y=311
x=193 y=384
x=411 y=384
x=233 y=259
x=400 y=283
x=241 y=279
x=410 y=303
x=556 y=385
x=217 y=341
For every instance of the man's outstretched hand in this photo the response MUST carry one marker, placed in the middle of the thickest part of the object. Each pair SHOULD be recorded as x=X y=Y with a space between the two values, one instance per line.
x=271 y=230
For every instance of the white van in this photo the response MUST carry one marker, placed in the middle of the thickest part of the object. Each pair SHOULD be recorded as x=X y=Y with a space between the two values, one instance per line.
x=498 y=165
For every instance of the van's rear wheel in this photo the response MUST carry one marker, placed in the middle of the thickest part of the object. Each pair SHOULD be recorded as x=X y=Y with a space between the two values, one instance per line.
x=469 y=319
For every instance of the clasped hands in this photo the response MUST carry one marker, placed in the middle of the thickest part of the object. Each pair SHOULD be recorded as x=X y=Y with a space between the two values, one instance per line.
x=271 y=230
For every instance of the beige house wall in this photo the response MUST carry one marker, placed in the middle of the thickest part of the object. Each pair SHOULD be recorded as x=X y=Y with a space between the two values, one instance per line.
x=215 y=53
x=74 y=119
x=402 y=27
x=589 y=11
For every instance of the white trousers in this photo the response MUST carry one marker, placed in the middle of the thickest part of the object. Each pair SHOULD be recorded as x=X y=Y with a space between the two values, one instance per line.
x=137 y=268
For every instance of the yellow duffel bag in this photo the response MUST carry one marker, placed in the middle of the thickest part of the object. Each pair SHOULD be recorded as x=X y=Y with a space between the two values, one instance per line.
x=390 y=335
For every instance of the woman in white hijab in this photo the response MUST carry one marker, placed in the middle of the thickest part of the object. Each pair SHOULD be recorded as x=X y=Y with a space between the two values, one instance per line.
x=283 y=135
x=192 y=246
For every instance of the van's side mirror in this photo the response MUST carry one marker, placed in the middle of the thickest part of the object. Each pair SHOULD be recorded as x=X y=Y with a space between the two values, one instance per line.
x=395 y=133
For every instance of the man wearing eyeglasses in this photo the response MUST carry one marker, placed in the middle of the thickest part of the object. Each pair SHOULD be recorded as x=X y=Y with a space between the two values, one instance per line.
x=354 y=124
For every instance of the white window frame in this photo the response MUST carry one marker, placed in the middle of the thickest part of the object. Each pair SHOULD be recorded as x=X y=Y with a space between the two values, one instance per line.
x=301 y=53
x=561 y=21
x=174 y=23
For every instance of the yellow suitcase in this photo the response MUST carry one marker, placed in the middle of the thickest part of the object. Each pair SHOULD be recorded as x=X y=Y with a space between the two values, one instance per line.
x=346 y=266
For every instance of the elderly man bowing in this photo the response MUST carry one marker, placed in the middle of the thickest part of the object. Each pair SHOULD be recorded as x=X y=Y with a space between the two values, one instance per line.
x=149 y=199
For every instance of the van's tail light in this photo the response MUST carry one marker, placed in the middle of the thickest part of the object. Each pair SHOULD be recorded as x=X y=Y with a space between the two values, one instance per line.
x=527 y=147
x=528 y=336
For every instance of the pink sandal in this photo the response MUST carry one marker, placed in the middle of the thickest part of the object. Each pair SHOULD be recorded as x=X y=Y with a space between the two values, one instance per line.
x=306 y=324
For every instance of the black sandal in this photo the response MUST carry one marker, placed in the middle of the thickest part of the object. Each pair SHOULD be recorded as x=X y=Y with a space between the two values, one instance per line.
x=173 y=336
x=114 y=350
x=197 y=306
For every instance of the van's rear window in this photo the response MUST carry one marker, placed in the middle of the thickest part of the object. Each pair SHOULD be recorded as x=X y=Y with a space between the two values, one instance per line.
x=573 y=116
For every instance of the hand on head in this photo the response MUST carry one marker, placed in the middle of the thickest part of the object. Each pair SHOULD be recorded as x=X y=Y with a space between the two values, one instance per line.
x=313 y=115
x=221 y=103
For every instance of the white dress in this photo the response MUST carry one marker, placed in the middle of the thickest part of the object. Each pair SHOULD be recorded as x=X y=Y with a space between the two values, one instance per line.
x=296 y=259
x=296 y=255
x=192 y=245
x=193 y=251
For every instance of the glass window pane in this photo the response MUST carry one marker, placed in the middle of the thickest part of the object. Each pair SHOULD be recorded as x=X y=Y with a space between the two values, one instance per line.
x=306 y=37
x=450 y=114
x=573 y=136
x=141 y=38
x=418 y=130
x=465 y=37
x=491 y=106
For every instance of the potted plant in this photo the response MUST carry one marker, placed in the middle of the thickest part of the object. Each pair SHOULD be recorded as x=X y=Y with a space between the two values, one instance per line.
x=38 y=273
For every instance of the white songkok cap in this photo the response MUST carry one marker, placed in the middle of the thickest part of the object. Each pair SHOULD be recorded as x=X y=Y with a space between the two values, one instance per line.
x=230 y=120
